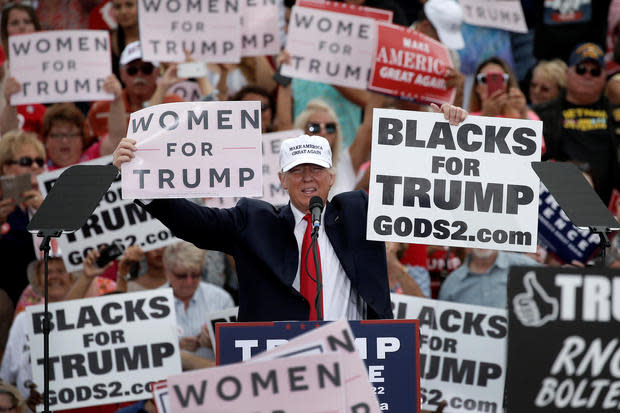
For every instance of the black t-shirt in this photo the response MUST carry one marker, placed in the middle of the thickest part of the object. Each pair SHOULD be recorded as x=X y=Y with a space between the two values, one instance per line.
x=586 y=137
x=562 y=25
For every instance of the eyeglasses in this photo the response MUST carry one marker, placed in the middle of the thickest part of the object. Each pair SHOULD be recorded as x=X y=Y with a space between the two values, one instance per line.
x=26 y=161
x=482 y=78
x=7 y=409
x=74 y=135
x=315 y=127
x=146 y=68
x=194 y=276
x=582 y=69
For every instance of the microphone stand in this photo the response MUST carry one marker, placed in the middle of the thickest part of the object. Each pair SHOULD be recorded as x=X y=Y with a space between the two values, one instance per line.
x=319 y=275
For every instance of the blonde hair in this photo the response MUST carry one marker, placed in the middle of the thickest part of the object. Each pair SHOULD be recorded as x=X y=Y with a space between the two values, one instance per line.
x=17 y=399
x=15 y=139
x=184 y=256
x=554 y=69
x=318 y=105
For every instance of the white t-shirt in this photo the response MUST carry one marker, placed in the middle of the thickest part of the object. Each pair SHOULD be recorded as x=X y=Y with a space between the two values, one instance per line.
x=15 y=367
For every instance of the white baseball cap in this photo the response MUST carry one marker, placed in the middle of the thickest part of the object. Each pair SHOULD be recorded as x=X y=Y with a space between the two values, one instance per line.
x=447 y=17
x=131 y=52
x=305 y=149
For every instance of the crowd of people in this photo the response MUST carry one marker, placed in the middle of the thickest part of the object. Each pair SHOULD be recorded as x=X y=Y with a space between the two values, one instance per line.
x=567 y=75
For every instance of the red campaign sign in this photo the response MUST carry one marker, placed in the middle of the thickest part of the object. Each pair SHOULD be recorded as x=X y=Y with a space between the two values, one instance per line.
x=355 y=10
x=410 y=65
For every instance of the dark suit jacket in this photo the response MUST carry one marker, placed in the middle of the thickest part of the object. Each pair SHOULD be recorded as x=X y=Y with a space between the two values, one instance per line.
x=261 y=239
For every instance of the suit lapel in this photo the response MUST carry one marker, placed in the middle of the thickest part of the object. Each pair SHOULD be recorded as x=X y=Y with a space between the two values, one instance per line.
x=335 y=232
x=289 y=244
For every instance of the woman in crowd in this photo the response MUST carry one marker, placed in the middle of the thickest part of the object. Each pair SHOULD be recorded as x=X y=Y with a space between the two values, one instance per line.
x=253 y=92
x=126 y=14
x=17 y=19
x=20 y=153
x=548 y=79
x=66 y=137
x=507 y=101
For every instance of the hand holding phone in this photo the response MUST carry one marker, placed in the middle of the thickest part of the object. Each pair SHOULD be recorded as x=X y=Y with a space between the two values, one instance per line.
x=495 y=81
x=192 y=70
x=108 y=254
x=13 y=186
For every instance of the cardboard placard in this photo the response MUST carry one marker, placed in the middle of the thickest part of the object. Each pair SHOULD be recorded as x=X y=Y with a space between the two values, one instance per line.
x=504 y=15
x=388 y=347
x=260 y=27
x=115 y=220
x=199 y=149
x=308 y=384
x=106 y=349
x=209 y=29
x=330 y=47
x=60 y=66
x=469 y=185
x=273 y=192
x=188 y=90
x=225 y=316
x=462 y=353
x=563 y=351
x=410 y=65
x=557 y=233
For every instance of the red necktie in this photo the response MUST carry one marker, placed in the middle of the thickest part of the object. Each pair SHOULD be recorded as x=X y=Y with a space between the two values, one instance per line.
x=307 y=280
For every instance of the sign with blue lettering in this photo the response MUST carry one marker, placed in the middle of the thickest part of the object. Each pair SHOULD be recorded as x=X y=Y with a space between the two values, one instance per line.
x=557 y=233
x=389 y=348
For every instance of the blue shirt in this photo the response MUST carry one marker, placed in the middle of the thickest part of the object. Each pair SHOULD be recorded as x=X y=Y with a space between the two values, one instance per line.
x=488 y=289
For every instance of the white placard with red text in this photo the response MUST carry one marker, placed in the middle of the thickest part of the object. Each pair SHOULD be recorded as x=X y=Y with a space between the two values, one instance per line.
x=410 y=65
x=60 y=66
x=209 y=30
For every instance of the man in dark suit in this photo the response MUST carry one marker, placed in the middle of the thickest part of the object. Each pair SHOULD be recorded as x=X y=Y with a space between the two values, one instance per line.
x=268 y=242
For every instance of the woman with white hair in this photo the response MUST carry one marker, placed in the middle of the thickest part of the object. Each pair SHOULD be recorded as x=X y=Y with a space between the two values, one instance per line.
x=193 y=299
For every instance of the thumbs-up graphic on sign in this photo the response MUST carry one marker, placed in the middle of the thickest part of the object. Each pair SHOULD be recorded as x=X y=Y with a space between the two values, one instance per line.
x=534 y=307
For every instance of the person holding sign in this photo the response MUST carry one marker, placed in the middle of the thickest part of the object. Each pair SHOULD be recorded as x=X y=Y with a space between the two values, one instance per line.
x=267 y=242
x=141 y=88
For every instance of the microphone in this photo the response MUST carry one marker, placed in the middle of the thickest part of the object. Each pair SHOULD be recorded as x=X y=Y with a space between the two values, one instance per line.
x=316 y=207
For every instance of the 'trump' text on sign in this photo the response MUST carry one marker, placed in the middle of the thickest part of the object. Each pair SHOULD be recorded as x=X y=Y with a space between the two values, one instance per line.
x=469 y=185
x=60 y=66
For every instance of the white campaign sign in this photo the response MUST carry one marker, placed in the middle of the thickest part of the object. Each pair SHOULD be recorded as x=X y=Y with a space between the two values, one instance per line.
x=330 y=47
x=272 y=188
x=209 y=29
x=225 y=316
x=106 y=349
x=505 y=14
x=188 y=90
x=196 y=149
x=260 y=29
x=462 y=353
x=60 y=66
x=114 y=220
x=470 y=185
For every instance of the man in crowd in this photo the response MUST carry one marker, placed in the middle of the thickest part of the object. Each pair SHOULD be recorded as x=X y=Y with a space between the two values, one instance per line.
x=483 y=278
x=270 y=245
x=578 y=125
x=141 y=88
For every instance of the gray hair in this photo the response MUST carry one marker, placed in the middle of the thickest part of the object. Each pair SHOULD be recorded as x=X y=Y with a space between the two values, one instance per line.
x=184 y=256
x=318 y=105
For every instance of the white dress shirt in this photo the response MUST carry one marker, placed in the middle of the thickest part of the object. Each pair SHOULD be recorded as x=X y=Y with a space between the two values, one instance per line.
x=340 y=300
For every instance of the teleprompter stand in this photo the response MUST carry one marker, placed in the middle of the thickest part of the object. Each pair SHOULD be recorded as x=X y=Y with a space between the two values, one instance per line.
x=577 y=199
x=66 y=208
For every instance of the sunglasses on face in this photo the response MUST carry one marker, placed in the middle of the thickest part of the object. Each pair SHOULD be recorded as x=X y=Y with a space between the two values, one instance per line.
x=146 y=68
x=583 y=69
x=26 y=161
x=482 y=78
x=184 y=276
x=315 y=127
